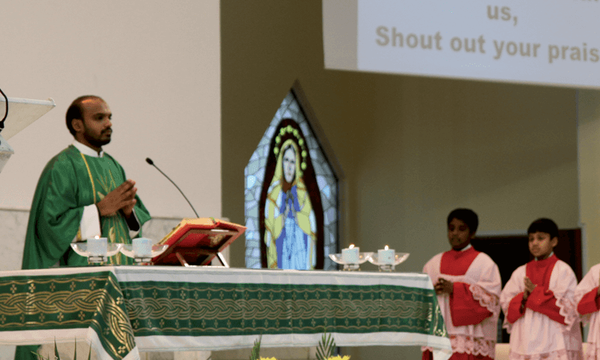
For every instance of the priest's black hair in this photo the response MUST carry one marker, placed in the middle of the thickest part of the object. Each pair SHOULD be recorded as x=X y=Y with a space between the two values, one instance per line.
x=75 y=111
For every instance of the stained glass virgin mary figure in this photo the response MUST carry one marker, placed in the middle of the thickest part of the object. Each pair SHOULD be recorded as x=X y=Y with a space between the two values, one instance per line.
x=290 y=223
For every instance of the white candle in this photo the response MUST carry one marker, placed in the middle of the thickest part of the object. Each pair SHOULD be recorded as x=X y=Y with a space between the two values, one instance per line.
x=350 y=255
x=97 y=246
x=386 y=256
x=142 y=247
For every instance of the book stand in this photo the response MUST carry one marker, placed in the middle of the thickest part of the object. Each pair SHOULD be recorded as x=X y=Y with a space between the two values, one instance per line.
x=195 y=242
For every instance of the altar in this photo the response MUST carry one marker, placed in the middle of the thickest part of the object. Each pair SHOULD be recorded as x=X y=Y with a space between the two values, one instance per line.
x=125 y=310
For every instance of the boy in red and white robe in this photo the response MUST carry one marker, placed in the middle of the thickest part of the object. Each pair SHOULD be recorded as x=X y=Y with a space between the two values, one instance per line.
x=587 y=296
x=468 y=284
x=539 y=302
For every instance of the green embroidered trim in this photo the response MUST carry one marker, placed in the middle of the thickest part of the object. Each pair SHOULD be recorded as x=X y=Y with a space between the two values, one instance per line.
x=66 y=302
x=208 y=309
x=90 y=175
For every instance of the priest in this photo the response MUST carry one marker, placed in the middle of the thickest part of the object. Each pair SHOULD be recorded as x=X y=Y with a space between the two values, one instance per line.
x=82 y=193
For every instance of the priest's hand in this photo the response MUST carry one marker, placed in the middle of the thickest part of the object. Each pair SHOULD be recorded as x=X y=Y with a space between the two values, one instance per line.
x=529 y=286
x=128 y=209
x=121 y=198
x=444 y=286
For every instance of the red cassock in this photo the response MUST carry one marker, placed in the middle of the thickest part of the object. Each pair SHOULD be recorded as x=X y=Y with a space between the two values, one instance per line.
x=547 y=326
x=471 y=312
x=588 y=306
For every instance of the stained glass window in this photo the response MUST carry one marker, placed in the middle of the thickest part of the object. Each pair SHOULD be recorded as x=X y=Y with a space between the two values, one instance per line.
x=291 y=196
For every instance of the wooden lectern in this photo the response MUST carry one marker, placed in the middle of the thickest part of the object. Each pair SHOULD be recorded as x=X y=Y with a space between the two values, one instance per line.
x=197 y=241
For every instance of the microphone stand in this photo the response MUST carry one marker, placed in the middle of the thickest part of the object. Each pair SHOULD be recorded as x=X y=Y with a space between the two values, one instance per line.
x=149 y=161
x=219 y=255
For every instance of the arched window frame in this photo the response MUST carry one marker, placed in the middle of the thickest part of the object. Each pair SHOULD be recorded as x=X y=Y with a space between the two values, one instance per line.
x=327 y=179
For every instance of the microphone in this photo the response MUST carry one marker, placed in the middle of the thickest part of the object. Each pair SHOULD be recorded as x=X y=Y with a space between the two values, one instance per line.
x=149 y=161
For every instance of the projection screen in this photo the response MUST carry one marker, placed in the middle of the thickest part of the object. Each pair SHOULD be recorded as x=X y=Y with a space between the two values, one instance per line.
x=519 y=41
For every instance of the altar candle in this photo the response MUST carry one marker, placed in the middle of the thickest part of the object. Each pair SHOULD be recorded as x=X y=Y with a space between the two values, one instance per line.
x=350 y=255
x=386 y=256
x=97 y=246
x=142 y=247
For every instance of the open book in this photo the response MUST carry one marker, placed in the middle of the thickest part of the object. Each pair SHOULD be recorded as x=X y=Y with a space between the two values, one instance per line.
x=197 y=241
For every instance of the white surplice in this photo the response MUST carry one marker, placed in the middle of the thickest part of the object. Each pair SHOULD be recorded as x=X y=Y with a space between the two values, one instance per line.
x=587 y=306
x=480 y=287
x=535 y=335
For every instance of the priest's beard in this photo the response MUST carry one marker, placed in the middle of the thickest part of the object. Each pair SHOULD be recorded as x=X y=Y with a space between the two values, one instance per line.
x=98 y=141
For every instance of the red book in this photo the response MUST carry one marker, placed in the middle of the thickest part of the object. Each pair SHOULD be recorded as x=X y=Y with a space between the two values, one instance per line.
x=197 y=241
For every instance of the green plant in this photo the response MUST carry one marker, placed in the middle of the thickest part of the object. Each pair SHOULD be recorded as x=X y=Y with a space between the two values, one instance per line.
x=255 y=354
x=57 y=356
x=325 y=349
x=326 y=346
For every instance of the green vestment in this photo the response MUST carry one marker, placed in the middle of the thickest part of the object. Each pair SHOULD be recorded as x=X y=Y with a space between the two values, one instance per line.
x=69 y=182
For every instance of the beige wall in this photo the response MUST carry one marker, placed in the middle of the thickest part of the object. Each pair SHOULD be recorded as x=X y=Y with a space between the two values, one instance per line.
x=412 y=148
x=156 y=63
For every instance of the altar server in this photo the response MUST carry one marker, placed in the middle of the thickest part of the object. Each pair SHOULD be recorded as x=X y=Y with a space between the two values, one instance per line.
x=539 y=302
x=587 y=296
x=468 y=284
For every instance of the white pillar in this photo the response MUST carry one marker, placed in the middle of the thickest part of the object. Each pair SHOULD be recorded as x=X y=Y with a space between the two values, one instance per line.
x=588 y=128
